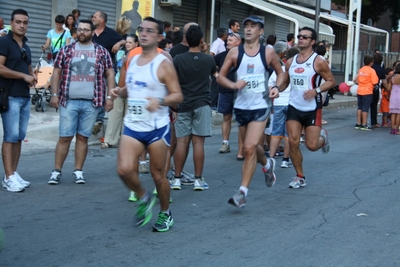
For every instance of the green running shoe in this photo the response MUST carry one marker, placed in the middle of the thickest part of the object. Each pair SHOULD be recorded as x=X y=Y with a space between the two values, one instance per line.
x=132 y=197
x=155 y=193
x=144 y=211
x=164 y=222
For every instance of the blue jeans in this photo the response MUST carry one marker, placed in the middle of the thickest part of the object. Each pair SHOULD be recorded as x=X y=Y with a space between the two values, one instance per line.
x=78 y=117
x=279 y=123
x=15 y=120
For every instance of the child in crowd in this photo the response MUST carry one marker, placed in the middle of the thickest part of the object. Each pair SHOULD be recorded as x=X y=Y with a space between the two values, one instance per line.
x=394 y=104
x=74 y=35
x=366 y=80
x=384 y=107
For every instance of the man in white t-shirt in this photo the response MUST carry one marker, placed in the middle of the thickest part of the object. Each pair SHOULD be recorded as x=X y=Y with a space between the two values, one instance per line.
x=218 y=45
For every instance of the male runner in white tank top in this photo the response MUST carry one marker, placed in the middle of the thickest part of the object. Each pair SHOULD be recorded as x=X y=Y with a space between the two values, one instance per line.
x=305 y=102
x=151 y=85
x=251 y=108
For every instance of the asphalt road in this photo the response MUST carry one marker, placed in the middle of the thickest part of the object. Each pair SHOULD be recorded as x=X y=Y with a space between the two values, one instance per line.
x=347 y=215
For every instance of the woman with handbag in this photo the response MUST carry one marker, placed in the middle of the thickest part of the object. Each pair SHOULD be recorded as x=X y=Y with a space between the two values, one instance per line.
x=58 y=37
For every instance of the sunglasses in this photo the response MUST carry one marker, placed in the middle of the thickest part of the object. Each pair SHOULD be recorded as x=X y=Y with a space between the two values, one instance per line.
x=236 y=35
x=23 y=54
x=305 y=37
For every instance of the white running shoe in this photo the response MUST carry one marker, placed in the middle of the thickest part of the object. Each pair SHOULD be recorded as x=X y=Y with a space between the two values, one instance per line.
x=12 y=185
x=24 y=183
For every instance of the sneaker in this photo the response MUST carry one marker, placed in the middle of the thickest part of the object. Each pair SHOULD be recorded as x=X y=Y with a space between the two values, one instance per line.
x=175 y=184
x=155 y=194
x=366 y=128
x=24 y=183
x=78 y=177
x=269 y=175
x=286 y=164
x=55 y=177
x=298 y=182
x=164 y=222
x=143 y=168
x=225 y=148
x=238 y=199
x=187 y=178
x=144 y=211
x=200 y=184
x=132 y=197
x=327 y=142
x=358 y=126
x=12 y=185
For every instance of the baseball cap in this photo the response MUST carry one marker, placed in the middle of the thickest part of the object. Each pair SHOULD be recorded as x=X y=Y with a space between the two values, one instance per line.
x=254 y=19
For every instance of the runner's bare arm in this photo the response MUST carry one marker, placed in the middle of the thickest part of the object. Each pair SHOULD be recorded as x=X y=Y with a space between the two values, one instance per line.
x=120 y=90
x=230 y=61
x=283 y=80
x=322 y=67
x=274 y=62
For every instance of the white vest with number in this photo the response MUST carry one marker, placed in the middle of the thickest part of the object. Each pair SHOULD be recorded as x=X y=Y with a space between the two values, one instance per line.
x=251 y=70
x=302 y=78
x=142 y=82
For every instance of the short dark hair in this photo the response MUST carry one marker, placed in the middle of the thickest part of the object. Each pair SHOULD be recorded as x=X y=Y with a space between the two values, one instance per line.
x=271 y=39
x=313 y=32
x=167 y=24
x=194 y=35
x=134 y=36
x=321 y=50
x=291 y=52
x=397 y=69
x=290 y=37
x=76 y=11
x=18 y=12
x=232 y=22
x=160 y=24
x=221 y=32
x=73 y=30
x=177 y=37
x=378 y=58
x=368 y=59
x=59 y=19
x=92 y=27
x=103 y=15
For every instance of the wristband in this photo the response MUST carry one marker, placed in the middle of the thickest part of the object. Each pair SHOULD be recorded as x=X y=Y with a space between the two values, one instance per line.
x=277 y=87
x=54 y=95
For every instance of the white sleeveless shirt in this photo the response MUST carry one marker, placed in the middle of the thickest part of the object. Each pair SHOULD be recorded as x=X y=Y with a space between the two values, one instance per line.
x=252 y=70
x=142 y=82
x=302 y=78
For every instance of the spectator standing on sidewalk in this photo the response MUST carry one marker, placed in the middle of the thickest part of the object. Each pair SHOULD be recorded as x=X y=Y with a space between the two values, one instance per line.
x=79 y=91
x=110 y=40
x=194 y=120
x=16 y=74
x=226 y=100
x=380 y=72
x=57 y=38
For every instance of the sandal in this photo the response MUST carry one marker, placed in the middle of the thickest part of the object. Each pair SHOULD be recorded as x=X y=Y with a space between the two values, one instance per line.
x=105 y=145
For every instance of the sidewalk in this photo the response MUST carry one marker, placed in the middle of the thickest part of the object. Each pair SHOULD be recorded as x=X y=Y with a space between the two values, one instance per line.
x=43 y=126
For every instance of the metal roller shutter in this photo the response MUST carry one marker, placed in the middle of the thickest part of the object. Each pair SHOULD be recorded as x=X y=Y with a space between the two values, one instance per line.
x=187 y=12
x=89 y=7
x=239 y=12
x=40 y=19
x=282 y=28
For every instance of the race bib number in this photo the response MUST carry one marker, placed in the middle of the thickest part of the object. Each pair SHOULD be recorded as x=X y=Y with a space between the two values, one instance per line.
x=299 y=82
x=137 y=110
x=255 y=83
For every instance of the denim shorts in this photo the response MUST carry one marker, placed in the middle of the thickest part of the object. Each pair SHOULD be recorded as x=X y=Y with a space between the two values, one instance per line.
x=147 y=138
x=279 y=123
x=77 y=117
x=15 y=120
x=197 y=122
x=225 y=103
x=244 y=116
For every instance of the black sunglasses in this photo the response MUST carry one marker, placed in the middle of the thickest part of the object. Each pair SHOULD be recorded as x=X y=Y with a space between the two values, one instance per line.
x=23 y=54
x=305 y=37
x=236 y=35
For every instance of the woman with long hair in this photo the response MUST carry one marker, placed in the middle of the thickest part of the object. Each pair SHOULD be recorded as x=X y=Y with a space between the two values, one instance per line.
x=123 y=26
x=69 y=22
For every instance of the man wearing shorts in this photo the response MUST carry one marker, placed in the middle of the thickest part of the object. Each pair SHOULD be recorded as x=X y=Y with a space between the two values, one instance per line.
x=16 y=74
x=79 y=91
x=253 y=102
x=305 y=101
x=226 y=99
x=151 y=86
x=194 y=115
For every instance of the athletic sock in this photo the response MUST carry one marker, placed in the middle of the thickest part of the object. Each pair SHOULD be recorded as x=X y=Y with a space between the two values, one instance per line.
x=225 y=142
x=165 y=211
x=285 y=159
x=301 y=176
x=198 y=177
x=244 y=190
x=267 y=166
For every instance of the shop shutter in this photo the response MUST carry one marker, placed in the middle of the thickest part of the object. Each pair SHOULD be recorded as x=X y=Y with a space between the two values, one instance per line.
x=239 y=12
x=89 y=7
x=187 y=12
x=282 y=28
x=40 y=19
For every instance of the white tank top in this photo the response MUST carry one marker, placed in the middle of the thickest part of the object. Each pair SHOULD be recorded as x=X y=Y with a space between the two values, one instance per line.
x=142 y=82
x=302 y=78
x=252 y=70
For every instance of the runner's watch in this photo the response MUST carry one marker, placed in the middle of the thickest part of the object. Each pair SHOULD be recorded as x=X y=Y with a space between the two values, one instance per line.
x=318 y=90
